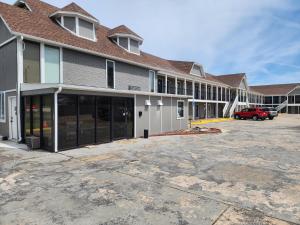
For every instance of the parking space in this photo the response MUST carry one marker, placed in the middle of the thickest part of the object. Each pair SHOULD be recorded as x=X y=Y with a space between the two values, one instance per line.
x=248 y=174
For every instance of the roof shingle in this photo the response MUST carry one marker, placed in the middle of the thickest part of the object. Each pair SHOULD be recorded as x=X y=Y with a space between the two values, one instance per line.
x=275 y=89
x=73 y=7
x=122 y=29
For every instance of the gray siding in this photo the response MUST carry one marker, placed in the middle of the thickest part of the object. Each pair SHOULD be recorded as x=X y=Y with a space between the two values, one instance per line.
x=131 y=75
x=4 y=32
x=142 y=122
x=88 y=70
x=162 y=118
x=8 y=66
x=155 y=113
x=83 y=69
x=86 y=29
x=4 y=127
x=167 y=115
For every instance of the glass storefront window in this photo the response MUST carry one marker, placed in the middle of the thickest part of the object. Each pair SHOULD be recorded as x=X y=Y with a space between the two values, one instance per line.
x=35 y=107
x=86 y=120
x=103 y=119
x=47 y=140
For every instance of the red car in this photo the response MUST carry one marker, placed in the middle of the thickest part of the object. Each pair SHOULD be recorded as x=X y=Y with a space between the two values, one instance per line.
x=251 y=113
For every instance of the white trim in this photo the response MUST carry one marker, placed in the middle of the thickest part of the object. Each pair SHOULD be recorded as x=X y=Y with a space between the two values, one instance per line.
x=77 y=26
x=5 y=24
x=20 y=1
x=42 y=63
x=154 y=76
x=177 y=116
x=19 y=81
x=75 y=14
x=114 y=64
x=149 y=111
x=7 y=41
x=56 y=119
x=2 y=93
x=298 y=86
x=10 y=113
x=135 y=117
x=140 y=40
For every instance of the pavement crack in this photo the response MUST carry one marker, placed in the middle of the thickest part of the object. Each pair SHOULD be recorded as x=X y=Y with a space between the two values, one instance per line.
x=222 y=213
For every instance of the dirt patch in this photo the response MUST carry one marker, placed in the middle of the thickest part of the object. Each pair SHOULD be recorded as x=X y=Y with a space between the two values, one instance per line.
x=193 y=131
x=8 y=182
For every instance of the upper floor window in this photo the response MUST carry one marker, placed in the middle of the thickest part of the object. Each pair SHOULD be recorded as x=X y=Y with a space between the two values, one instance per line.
x=128 y=44
x=41 y=63
x=31 y=62
x=2 y=106
x=152 y=80
x=110 y=73
x=52 y=64
x=78 y=26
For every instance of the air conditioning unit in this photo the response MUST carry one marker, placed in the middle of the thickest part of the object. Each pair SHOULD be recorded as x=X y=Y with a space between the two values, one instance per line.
x=33 y=142
x=147 y=103
x=160 y=103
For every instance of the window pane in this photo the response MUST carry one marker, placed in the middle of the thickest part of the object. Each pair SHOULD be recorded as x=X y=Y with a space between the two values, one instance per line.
x=86 y=120
x=86 y=29
x=47 y=139
x=180 y=110
x=152 y=80
x=27 y=116
x=123 y=42
x=103 y=119
x=36 y=126
x=110 y=74
x=69 y=23
x=52 y=62
x=31 y=64
x=67 y=121
x=134 y=46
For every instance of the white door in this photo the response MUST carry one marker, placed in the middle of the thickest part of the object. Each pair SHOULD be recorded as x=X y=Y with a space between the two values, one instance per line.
x=12 y=110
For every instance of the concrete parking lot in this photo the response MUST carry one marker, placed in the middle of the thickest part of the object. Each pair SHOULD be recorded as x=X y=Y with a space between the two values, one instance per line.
x=248 y=174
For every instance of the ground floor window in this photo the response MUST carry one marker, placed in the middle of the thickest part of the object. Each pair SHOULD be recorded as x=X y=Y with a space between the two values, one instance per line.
x=180 y=109
x=84 y=120
x=2 y=106
x=38 y=119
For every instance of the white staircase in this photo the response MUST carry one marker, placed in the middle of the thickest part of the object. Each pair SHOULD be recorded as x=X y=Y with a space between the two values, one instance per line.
x=282 y=105
x=234 y=104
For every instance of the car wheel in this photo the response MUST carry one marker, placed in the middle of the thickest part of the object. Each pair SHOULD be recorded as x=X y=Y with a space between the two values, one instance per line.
x=271 y=118
x=263 y=119
x=255 y=118
x=237 y=117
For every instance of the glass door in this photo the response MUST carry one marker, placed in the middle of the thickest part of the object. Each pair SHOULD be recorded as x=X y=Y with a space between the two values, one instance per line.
x=103 y=120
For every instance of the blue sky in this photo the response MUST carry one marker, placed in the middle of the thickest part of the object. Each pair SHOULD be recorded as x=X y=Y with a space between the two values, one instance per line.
x=258 y=37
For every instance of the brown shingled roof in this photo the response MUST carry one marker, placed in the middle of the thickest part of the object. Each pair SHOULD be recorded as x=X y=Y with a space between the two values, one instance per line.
x=37 y=24
x=233 y=80
x=275 y=89
x=73 y=7
x=122 y=29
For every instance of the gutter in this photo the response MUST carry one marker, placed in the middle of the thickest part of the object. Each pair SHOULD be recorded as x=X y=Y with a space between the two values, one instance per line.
x=59 y=90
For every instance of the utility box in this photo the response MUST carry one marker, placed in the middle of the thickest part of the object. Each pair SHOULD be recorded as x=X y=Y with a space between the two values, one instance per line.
x=33 y=142
x=146 y=133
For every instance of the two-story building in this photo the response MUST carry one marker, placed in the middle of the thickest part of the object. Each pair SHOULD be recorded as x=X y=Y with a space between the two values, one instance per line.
x=70 y=81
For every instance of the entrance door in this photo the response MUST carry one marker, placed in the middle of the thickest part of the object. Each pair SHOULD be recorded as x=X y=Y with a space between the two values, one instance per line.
x=122 y=118
x=12 y=108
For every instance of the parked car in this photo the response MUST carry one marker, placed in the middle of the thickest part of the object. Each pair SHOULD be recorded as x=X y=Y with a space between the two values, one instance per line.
x=272 y=112
x=251 y=113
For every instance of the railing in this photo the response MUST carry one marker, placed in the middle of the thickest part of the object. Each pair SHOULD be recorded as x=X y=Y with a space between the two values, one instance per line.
x=282 y=105
x=225 y=109
x=234 y=104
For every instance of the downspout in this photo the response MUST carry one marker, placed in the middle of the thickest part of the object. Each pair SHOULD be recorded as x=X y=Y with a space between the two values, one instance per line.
x=59 y=90
x=19 y=73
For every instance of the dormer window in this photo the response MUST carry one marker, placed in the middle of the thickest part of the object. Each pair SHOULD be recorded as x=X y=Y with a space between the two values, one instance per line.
x=126 y=39
x=23 y=5
x=77 y=21
x=197 y=70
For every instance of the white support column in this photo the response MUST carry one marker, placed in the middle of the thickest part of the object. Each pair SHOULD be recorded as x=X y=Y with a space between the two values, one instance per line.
x=185 y=91
x=19 y=82
x=166 y=84
x=193 y=89
x=206 y=92
x=176 y=86
x=217 y=105
x=200 y=90
x=206 y=110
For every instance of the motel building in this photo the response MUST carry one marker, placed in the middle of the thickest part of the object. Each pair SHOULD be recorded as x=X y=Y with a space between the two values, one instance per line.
x=69 y=81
